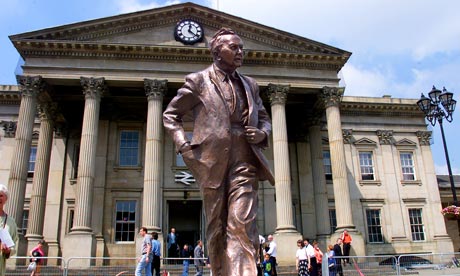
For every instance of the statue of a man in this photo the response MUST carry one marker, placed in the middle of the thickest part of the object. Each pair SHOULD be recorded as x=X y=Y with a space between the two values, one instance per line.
x=231 y=127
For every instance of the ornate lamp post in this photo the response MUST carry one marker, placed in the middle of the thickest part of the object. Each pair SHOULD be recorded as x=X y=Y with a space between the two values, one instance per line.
x=440 y=105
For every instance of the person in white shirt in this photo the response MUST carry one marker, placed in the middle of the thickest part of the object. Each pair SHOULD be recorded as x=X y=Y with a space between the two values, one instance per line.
x=313 y=266
x=272 y=252
x=302 y=262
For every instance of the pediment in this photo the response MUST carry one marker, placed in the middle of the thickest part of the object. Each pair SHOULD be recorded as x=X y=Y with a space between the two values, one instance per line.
x=365 y=142
x=150 y=33
x=405 y=143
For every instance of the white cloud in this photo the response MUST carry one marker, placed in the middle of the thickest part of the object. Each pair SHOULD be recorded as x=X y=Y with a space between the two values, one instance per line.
x=442 y=169
x=379 y=26
x=364 y=82
x=126 y=6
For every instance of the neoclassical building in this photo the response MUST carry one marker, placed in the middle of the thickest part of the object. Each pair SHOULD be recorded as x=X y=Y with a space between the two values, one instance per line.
x=87 y=162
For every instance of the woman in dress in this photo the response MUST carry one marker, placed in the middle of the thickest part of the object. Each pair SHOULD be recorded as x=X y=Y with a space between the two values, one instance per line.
x=302 y=262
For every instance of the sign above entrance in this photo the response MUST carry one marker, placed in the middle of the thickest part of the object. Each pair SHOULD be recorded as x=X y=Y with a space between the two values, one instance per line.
x=185 y=178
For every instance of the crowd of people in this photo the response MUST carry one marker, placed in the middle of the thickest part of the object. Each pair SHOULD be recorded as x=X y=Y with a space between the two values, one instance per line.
x=309 y=257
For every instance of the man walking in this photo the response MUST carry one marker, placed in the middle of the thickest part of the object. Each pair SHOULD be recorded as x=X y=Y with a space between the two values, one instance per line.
x=156 y=252
x=144 y=262
x=198 y=255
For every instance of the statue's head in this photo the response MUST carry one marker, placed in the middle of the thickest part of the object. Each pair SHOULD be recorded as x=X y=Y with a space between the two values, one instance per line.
x=227 y=49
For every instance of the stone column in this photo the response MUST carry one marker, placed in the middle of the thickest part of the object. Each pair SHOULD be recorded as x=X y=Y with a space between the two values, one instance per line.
x=30 y=87
x=319 y=182
x=153 y=172
x=284 y=215
x=82 y=230
x=93 y=89
x=286 y=233
x=331 y=97
x=47 y=112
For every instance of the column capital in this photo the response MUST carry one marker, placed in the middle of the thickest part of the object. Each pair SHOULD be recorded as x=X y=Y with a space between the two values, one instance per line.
x=155 y=89
x=347 y=136
x=315 y=117
x=47 y=110
x=331 y=96
x=60 y=130
x=9 y=127
x=424 y=137
x=277 y=93
x=385 y=136
x=93 y=87
x=30 y=86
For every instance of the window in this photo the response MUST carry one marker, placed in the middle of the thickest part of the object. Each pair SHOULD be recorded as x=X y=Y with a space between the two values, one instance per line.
x=125 y=220
x=366 y=165
x=416 y=224
x=129 y=148
x=25 y=222
x=179 y=159
x=407 y=166
x=76 y=158
x=327 y=164
x=374 y=226
x=70 y=218
x=32 y=159
x=332 y=220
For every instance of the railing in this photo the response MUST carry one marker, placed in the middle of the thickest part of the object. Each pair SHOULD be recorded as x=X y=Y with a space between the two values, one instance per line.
x=96 y=266
x=407 y=264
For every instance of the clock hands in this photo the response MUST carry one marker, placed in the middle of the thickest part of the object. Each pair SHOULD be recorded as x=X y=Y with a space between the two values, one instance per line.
x=190 y=30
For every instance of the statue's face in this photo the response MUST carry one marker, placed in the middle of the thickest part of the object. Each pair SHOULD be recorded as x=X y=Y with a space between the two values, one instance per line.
x=230 y=55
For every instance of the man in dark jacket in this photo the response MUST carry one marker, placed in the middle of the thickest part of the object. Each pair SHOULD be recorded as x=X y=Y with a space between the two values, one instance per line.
x=338 y=254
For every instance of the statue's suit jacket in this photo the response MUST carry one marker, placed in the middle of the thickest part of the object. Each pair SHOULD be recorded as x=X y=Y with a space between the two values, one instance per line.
x=211 y=142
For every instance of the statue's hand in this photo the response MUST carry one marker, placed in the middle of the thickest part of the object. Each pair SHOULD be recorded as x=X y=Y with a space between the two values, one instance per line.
x=254 y=135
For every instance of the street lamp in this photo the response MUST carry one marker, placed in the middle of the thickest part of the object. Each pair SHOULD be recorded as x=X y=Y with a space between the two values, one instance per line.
x=438 y=106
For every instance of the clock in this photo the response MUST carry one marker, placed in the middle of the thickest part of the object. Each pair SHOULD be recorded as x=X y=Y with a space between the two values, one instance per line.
x=188 y=32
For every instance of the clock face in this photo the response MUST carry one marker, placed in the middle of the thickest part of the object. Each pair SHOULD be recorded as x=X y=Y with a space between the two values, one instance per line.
x=188 y=32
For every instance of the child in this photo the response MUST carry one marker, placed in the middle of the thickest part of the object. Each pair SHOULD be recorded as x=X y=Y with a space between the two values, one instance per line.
x=267 y=265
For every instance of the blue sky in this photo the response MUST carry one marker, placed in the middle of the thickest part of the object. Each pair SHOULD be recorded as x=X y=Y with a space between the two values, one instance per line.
x=400 y=48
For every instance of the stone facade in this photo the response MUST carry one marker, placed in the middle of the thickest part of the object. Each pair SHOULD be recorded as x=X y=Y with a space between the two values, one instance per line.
x=104 y=167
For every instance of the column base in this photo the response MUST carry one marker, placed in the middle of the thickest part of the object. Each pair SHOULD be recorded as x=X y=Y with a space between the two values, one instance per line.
x=358 y=244
x=100 y=249
x=286 y=245
x=86 y=249
x=54 y=250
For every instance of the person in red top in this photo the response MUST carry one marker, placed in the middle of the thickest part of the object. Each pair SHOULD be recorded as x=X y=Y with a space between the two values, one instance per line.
x=346 y=239
x=36 y=253
x=319 y=256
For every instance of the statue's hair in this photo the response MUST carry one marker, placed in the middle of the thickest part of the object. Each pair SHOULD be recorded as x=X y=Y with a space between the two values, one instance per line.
x=215 y=43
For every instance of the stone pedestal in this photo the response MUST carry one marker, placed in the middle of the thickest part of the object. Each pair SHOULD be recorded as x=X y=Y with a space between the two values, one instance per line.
x=286 y=243
x=79 y=244
x=358 y=245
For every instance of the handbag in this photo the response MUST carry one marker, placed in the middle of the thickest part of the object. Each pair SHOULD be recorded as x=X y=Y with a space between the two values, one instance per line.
x=32 y=266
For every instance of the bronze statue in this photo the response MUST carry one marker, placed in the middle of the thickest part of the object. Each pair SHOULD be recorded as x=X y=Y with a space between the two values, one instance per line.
x=231 y=127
